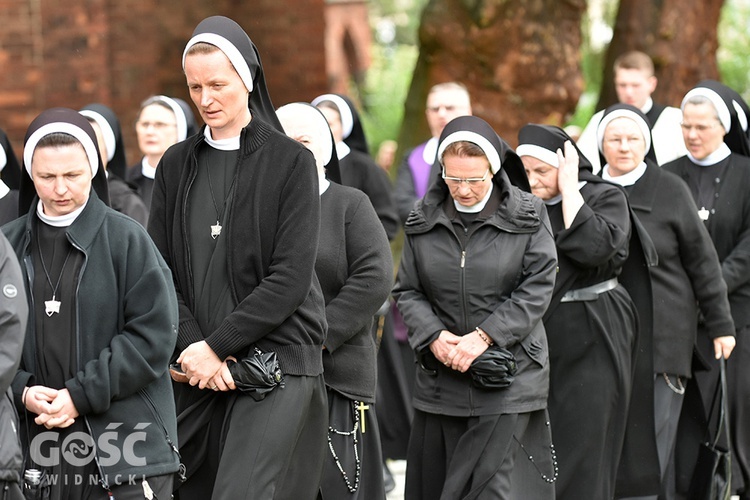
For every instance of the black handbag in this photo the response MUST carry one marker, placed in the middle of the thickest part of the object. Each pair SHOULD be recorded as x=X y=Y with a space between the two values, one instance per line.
x=712 y=477
x=258 y=374
x=495 y=368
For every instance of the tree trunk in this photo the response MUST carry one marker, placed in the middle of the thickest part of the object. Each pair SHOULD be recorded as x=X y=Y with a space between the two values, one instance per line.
x=679 y=35
x=520 y=60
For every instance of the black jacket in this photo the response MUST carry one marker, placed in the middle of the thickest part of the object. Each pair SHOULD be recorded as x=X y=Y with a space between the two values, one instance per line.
x=272 y=236
x=126 y=328
x=729 y=228
x=500 y=281
x=688 y=275
x=13 y=316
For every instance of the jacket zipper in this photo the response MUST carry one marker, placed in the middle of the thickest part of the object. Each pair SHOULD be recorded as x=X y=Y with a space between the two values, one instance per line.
x=102 y=477
x=152 y=408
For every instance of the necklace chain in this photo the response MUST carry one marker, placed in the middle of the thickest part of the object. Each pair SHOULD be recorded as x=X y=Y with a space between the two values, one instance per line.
x=49 y=304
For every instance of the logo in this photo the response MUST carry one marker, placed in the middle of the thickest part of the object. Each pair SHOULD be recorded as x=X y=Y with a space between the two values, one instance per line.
x=10 y=291
x=79 y=448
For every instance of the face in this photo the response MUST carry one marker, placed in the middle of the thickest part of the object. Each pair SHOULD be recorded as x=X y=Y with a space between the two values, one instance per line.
x=634 y=86
x=101 y=143
x=623 y=146
x=218 y=93
x=443 y=106
x=62 y=178
x=542 y=177
x=306 y=133
x=471 y=167
x=701 y=129
x=156 y=129
x=334 y=121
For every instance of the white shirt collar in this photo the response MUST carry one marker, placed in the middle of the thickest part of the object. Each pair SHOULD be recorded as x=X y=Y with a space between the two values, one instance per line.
x=4 y=189
x=342 y=149
x=230 y=144
x=647 y=107
x=147 y=170
x=323 y=184
x=59 y=220
x=626 y=179
x=558 y=198
x=430 y=151
x=720 y=154
x=475 y=209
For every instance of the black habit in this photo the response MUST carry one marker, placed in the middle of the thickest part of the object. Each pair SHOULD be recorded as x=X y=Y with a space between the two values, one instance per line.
x=729 y=227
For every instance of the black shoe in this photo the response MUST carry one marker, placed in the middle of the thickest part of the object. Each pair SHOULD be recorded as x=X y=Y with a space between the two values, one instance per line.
x=388 y=481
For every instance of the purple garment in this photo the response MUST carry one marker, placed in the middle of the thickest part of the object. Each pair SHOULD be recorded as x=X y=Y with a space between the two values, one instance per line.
x=420 y=170
x=400 y=331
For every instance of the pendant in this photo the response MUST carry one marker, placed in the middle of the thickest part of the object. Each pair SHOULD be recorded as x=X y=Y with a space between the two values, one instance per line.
x=703 y=213
x=216 y=230
x=52 y=306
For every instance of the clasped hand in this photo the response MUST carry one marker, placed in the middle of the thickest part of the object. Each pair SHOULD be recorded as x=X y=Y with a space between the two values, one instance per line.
x=204 y=368
x=458 y=352
x=54 y=408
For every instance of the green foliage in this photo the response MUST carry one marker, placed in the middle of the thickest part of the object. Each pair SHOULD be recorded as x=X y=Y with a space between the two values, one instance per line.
x=386 y=87
x=734 y=65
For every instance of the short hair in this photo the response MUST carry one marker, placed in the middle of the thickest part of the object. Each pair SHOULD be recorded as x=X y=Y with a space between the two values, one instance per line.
x=440 y=87
x=154 y=99
x=328 y=104
x=635 y=59
x=57 y=139
x=201 y=48
x=463 y=149
x=697 y=100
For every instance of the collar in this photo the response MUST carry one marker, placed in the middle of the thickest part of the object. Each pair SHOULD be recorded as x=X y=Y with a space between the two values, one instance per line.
x=430 y=151
x=4 y=189
x=626 y=179
x=342 y=150
x=61 y=220
x=323 y=184
x=557 y=199
x=647 y=107
x=721 y=153
x=147 y=170
x=230 y=144
x=475 y=209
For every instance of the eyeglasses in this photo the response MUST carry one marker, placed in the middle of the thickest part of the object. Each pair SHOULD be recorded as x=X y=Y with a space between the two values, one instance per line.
x=700 y=128
x=156 y=125
x=470 y=181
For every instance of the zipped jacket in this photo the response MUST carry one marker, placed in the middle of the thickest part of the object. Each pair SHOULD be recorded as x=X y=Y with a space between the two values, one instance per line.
x=501 y=280
x=13 y=316
x=126 y=328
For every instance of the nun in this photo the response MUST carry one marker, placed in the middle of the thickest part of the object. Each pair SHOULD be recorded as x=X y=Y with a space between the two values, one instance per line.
x=476 y=275
x=717 y=172
x=122 y=196
x=593 y=322
x=94 y=354
x=161 y=122
x=358 y=169
x=355 y=269
x=687 y=281
x=10 y=173
x=235 y=212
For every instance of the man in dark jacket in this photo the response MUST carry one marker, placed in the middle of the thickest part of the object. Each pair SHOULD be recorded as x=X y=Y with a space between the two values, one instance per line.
x=93 y=374
x=13 y=316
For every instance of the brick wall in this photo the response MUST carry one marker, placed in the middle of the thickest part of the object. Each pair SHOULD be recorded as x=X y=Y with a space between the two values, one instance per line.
x=118 y=52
